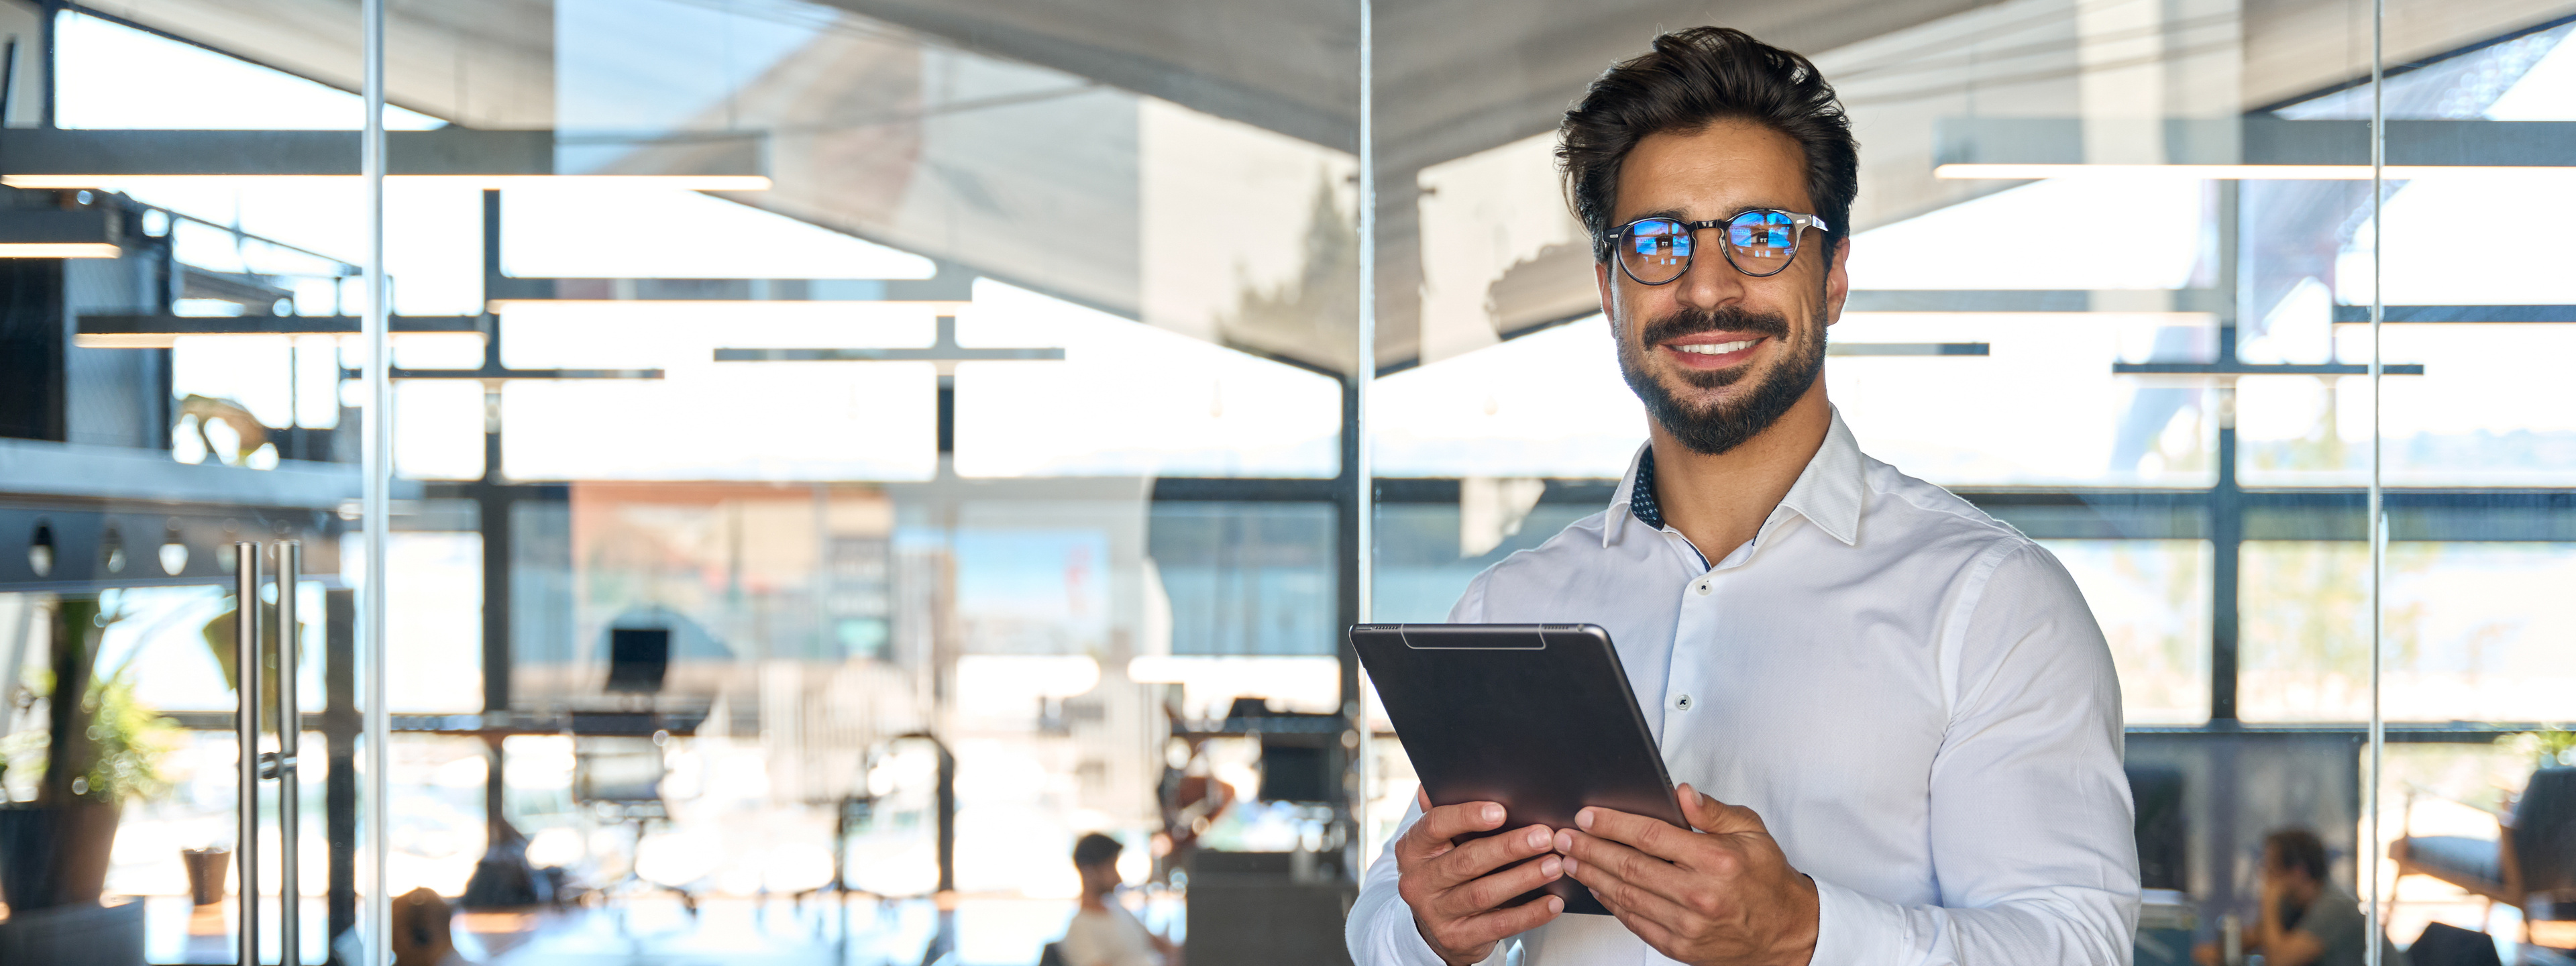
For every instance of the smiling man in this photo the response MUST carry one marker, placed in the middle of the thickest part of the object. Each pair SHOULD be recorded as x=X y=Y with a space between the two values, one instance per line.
x=1894 y=719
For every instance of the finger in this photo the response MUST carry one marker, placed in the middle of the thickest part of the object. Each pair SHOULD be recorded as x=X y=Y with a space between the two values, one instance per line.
x=1436 y=831
x=1631 y=902
x=1501 y=924
x=1448 y=822
x=1592 y=856
x=1653 y=836
x=1709 y=815
x=1476 y=858
x=1422 y=798
x=1490 y=892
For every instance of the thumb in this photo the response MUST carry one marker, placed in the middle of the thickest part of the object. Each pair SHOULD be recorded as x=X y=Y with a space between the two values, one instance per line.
x=1715 y=817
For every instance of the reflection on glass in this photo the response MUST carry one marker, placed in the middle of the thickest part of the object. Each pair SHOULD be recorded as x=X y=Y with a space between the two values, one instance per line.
x=2463 y=640
x=1130 y=400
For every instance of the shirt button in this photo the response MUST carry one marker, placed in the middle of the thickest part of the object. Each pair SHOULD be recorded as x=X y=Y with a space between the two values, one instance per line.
x=1681 y=702
x=1702 y=588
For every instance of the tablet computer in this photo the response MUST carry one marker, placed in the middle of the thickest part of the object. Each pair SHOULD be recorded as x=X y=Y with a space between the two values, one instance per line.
x=1537 y=717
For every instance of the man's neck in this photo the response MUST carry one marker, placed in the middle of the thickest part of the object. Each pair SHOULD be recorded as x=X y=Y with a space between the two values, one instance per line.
x=1719 y=502
x=1095 y=901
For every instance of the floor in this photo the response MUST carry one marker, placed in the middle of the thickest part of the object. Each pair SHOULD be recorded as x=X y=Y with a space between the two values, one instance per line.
x=655 y=930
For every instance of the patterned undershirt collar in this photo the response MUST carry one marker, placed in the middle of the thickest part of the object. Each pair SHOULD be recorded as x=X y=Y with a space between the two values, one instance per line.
x=1641 y=495
x=1642 y=505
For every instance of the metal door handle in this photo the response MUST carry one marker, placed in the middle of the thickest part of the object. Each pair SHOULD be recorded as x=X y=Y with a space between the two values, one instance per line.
x=290 y=727
x=246 y=731
x=249 y=669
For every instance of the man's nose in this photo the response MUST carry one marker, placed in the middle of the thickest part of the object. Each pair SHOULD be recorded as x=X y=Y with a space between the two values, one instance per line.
x=1711 y=282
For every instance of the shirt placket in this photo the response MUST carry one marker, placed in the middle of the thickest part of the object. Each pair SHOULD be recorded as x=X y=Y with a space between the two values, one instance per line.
x=1695 y=635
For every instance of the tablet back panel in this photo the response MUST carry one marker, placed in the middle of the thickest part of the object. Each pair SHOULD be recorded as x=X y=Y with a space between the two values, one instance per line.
x=1538 y=717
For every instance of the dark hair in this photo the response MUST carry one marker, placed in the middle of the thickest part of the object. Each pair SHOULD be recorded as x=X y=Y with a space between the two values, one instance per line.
x=1691 y=78
x=1096 y=849
x=2297 y=849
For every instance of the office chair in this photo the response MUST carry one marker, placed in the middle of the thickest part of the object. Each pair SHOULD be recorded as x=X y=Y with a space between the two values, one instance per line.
x=619 y=777
x=2532 y=857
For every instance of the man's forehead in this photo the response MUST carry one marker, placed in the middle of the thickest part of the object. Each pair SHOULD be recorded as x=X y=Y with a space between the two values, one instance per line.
x=1715 y=171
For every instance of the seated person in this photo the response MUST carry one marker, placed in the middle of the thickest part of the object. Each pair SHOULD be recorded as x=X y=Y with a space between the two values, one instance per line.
x=1103 y=933
x=2307 y=919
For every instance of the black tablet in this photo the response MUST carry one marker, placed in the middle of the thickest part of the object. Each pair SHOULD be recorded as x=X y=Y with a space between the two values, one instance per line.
x=1538 y=717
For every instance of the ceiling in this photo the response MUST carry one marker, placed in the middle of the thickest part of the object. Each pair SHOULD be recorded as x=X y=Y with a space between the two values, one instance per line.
x=1041 y=190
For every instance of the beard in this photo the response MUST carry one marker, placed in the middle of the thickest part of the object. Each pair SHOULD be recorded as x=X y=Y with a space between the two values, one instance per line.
x=1714 y=428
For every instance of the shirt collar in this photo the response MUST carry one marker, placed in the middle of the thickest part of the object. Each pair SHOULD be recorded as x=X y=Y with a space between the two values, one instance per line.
x=1829 y=492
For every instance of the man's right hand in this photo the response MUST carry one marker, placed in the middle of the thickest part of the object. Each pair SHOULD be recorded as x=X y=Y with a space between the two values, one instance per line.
x=1456 y=896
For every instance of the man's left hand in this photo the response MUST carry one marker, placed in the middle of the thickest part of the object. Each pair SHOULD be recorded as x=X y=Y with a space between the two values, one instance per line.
x=1720 y=896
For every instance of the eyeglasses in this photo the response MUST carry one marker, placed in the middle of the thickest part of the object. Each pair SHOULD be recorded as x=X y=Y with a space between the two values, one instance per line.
x=1655 y=251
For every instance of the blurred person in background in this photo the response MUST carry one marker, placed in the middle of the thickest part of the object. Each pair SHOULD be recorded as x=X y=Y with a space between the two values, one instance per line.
x=2307 y=918
x=1104 y=933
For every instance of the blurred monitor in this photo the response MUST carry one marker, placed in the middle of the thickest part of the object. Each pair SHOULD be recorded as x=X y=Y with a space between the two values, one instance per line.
x=1294 y=773
x=638 y=659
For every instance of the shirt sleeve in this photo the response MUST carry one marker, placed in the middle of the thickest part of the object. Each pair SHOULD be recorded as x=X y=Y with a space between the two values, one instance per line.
x=2031 y=823
x=1380 y=930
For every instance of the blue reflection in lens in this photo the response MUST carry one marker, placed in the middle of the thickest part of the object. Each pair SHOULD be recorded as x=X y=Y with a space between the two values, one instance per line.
x=1764 y=229
x=1659 y=237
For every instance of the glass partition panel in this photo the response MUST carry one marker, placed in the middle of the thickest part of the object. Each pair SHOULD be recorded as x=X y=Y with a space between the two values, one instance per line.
x=183 y=268
x=2478 y=502
x=879 y=446
x=2159 y=371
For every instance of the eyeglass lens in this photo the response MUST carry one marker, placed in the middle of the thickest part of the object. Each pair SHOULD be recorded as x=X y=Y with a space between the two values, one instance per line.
x=1658 y=250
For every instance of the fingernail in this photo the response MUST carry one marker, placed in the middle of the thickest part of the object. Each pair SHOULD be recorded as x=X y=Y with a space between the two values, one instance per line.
x=1552 y=867
x=1555 y=904
x=1492 y=813
x=1565 y=841
x=1583 y=820
x=1571 y=865
x=1538 y=838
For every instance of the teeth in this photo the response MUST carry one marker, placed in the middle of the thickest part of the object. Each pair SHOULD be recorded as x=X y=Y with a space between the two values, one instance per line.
x=1716 y=348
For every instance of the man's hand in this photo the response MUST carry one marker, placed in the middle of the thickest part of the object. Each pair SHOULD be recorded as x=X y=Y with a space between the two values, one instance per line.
x=1721 y=896
x=1455 y=893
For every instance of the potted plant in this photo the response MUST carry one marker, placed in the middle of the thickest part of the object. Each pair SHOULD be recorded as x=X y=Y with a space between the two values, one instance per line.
x=96 y=753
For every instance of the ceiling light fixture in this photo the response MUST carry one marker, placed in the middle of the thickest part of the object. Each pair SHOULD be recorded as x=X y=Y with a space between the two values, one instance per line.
x=59 y=250
x=58 y=159
x=2231 y=172
x=506 y=306
x=487 y=182
x=165 y=331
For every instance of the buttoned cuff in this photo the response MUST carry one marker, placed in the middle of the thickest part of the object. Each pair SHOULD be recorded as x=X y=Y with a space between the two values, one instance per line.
x=1856 y=930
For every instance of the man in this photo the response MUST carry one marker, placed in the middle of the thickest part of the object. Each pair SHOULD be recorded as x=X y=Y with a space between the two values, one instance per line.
x=1894 y=720
x=1102 y=932
x=2305 y=918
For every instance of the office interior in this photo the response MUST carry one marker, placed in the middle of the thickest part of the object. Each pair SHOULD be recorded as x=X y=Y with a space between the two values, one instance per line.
x=845 y=450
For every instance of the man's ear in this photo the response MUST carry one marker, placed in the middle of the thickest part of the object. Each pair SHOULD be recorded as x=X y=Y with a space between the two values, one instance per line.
x=1601 y=280
x=1838 y=281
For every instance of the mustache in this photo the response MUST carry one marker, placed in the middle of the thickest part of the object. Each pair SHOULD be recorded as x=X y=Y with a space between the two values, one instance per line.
x=1693 y=321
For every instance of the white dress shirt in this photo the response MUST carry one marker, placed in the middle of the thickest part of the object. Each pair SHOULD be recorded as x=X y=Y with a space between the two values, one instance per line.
x=1912 y=695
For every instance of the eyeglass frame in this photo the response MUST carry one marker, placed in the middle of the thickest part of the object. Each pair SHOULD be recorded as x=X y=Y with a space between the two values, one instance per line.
x=1797 y=221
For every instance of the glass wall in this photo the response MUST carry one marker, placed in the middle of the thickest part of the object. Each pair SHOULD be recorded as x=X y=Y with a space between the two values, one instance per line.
x=844 y=452
x=2163 y=376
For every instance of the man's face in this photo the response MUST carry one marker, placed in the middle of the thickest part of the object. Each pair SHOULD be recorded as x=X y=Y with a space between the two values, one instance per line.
x=1099 y=878
x=2281 y=873
x=1716 y=355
